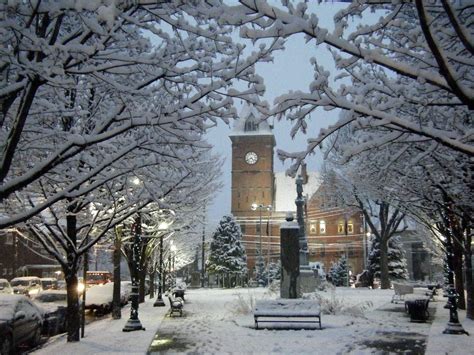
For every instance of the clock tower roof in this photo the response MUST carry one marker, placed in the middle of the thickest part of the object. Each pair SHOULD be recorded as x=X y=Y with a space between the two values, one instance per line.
x=251 y=123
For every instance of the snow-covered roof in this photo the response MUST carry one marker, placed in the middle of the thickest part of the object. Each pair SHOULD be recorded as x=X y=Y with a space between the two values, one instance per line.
x=249 y=111
x=285 y=190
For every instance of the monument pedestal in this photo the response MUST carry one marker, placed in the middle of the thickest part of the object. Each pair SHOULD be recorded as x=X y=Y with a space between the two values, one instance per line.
x=306 y=281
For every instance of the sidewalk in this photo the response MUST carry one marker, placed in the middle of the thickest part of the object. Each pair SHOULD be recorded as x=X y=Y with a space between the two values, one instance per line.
x=439 y=343
x=106 y=336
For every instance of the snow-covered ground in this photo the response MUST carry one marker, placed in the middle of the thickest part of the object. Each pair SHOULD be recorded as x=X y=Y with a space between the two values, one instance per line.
x=216 y=321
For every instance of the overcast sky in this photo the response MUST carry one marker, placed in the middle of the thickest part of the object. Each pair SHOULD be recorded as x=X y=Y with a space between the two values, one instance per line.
x=291 y=70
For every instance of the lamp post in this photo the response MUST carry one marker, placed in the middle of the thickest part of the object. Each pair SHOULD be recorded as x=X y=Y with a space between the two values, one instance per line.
x=161 y=285
x=453 y=326
x=159 y=299
x=260 y=207
x=133 y=322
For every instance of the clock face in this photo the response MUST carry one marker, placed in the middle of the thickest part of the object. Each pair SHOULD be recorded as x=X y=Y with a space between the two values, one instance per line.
x=251 y=158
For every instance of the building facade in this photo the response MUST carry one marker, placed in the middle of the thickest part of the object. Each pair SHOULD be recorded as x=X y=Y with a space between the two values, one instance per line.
x=261 y=198
x=22 y=255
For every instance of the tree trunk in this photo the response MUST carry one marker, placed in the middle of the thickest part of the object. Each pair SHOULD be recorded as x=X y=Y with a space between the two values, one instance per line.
x=468 y=275
x=70 y=274
x=141 y=290
x=384 y=275
x=458 y=272
x=116 y=307
x=152 y=282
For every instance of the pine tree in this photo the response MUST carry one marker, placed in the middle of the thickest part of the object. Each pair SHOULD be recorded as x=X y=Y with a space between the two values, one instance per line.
x=227 y=256
x=397 y=265
x=260 y=273
x=274 y=271
x=339 y=272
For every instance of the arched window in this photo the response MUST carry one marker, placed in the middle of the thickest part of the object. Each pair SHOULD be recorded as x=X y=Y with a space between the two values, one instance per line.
x=251 y=124
x=322 y=226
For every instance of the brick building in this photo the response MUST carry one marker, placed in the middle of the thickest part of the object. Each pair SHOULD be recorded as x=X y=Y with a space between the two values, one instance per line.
x=332 y=230
x=21 y=255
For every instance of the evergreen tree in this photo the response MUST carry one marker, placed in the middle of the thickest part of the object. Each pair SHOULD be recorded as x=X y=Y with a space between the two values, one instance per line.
x=260 y=272
x=339 y=272
x=396 y=259
x=273 y=271
x=227 y=256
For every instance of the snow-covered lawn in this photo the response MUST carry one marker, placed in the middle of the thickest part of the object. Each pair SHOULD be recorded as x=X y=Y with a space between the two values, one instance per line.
x=216 y=321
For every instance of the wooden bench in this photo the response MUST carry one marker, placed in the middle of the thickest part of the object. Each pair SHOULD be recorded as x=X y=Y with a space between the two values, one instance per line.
x=176 y=305
x=293 y=313
x=417 y=307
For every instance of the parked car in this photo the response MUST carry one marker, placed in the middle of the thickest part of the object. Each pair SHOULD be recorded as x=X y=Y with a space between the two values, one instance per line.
x=99 y=297
x=49 y=283
x=20 y=322
x=53 y=304
x=26 y=285
x=5 y=287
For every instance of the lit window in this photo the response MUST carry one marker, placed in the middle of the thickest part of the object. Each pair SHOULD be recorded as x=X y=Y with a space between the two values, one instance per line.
x=312 y=227
x=340 y=228
x=322 y=227
x=350 y=228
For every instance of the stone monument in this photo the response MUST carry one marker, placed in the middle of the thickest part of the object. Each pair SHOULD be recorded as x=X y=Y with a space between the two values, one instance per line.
x=306 y=280
x=289 y=255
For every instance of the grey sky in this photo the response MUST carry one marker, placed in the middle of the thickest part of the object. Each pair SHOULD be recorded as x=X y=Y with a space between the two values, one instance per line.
x=291 y=70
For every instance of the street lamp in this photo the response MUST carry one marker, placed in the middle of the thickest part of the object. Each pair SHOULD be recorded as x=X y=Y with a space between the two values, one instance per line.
x=260 y=207
x=133 y=322
x=161 y=285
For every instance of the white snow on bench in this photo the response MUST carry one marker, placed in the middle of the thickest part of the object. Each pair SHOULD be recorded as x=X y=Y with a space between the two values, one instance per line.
x=295 y=313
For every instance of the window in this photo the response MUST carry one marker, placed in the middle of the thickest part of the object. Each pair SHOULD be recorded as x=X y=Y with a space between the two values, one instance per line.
x=350 y=228
x=340 y=228
x=250 y=124
x=322 y=227
x=242 y=228
x=312 y=227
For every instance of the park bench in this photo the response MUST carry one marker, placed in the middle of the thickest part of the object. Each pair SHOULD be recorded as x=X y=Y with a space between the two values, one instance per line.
x=176 y=305
x=178 y=293
x=416 y=305
x=289 y=313
x=400 y=290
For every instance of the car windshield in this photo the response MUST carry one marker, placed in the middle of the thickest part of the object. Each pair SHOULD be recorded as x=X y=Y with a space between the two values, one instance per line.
x=20 y=283
x=48 y=283
x=51 y=297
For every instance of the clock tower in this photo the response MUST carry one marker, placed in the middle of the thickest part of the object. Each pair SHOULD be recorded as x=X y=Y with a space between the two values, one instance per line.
x=252 y=163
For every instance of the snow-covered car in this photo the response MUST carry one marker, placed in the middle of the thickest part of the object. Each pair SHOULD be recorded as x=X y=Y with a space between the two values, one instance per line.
x=21 y=322
x=5 y=287
x=99 y=297
x=26 y=285
x=49 y=283
x=53 y=304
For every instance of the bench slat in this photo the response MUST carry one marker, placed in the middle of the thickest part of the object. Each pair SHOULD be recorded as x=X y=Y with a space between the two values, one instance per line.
x=292 y=310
